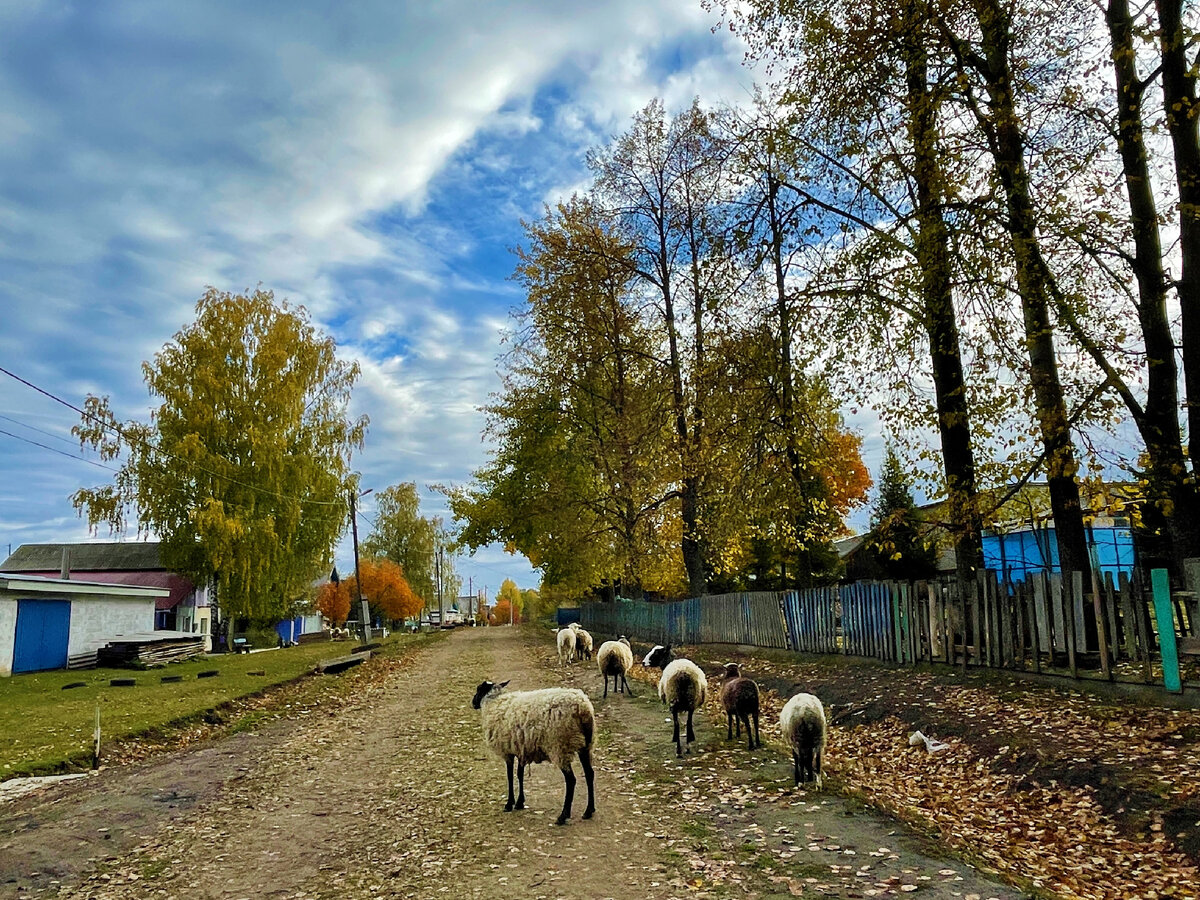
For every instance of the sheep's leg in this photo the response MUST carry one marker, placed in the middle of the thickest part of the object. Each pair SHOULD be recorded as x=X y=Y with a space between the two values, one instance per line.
x=757 y=735
x=521 y=784
x=569 y=778
x=509 y=805
x=691 y=735
x=626 y=683
x=729 y=727
x=749 y=734
x=589 y=775
x=606 y=686
x=675 y=735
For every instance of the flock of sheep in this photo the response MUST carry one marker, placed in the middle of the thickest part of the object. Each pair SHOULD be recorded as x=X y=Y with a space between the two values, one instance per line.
x=554 y=724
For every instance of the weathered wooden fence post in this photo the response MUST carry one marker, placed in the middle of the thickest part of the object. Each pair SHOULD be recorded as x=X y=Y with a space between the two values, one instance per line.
x=1166 y=630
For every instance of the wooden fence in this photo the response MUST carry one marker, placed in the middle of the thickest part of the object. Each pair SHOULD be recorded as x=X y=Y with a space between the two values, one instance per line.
x=1049 y=624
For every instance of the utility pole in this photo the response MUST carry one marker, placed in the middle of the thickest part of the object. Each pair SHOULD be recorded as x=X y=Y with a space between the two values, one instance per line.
x=440 y=565
x=363 y=611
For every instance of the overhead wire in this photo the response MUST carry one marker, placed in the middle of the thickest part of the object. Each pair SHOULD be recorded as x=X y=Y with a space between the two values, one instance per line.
x=57 y=437
x=153 y=449
x=90 y=462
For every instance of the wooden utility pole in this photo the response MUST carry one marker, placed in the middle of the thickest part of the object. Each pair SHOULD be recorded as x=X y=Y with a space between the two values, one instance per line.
x=366 y=625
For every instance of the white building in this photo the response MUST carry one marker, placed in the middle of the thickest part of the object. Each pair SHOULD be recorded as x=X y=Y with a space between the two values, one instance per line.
x=45 y=621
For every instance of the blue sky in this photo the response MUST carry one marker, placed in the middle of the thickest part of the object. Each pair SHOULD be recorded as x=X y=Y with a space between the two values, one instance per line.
x=371 y=161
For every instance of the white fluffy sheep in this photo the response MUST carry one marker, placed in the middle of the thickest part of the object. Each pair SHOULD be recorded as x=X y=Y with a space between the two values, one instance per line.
x=804 y=731
x=583 y=642
x=566 y=645
x=616 y=659
x=683 y=688
x=548 y=725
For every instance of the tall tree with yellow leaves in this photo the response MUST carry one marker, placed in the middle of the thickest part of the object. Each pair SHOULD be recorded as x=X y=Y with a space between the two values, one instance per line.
x=244 y=468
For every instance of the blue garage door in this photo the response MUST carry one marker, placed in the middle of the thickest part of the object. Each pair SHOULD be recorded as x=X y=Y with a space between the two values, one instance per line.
x=43 y=627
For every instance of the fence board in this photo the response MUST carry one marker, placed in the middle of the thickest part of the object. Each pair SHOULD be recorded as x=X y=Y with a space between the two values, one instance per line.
x=1037 y=610
x=995 y=624
x=1042 y=613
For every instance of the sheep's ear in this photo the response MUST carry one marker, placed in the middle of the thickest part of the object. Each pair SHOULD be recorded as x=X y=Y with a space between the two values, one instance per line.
x=503 y=683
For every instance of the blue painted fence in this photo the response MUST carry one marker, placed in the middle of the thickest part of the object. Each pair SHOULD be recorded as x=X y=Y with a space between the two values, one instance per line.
x=1033 y=624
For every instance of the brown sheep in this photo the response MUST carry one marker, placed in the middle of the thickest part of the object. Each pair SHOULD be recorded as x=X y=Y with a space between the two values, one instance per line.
x=739 y=696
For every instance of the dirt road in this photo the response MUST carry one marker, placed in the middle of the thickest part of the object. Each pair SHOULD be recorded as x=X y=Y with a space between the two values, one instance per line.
x=392 y=794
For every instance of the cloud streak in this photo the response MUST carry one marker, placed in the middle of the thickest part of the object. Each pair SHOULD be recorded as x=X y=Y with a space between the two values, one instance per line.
x=371 y=161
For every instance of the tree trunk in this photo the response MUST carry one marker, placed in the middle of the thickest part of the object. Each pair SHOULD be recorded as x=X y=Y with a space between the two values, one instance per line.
x=1158 y=423
x=1007 y=147
x=933 y=259
x=1179 y=101
x=690 y=547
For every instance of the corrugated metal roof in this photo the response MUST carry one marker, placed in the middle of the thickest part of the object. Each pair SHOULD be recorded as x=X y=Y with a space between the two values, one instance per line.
x=86 y=557
x=15 y=581
x=180 y=587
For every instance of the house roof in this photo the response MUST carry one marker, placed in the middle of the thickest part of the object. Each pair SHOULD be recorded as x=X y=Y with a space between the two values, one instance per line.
x=108 y=556
x=41 y=583
x=131 y=563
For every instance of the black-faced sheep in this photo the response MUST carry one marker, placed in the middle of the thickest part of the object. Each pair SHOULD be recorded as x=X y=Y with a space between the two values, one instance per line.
x=566 y=645
x=548 y=725
x=615 y=658
x=739 y=697
x=683 y=688
x=658 y=657
x=804 y=731
x=583 y=642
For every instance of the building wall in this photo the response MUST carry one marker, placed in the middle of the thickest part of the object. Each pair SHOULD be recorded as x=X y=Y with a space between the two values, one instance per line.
x=97 y=619
x=8 y=633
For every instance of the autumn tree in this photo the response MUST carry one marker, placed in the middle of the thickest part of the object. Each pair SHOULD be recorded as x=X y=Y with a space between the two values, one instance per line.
x=244 y=466
x=577 y=482
x=1177 y=39
x=510 y=594
x=401 y=534
x=660 y=181
x=503 y=613
x=851 y=165
x=386 y=589
x=333 y=601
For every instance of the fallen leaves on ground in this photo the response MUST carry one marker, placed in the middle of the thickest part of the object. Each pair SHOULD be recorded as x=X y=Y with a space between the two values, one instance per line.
x=1054 y=788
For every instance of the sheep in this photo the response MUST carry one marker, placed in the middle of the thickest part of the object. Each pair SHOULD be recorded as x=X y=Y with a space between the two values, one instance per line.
x=583 y=642
x=615 y=658
x=683 y=688
x=566 y=645
x=804 y=731
x=739 y=696
x=548 y=725
x=658 y=657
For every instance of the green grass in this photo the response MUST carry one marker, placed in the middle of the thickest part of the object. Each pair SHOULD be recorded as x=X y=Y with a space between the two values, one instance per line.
x=44 y=728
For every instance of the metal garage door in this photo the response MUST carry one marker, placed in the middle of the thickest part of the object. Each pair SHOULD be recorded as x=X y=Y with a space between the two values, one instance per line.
x=43 y=627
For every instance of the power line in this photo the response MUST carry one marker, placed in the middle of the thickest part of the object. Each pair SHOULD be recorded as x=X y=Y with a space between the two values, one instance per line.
x=153 y=449
x=57 y=437
x=90 y=462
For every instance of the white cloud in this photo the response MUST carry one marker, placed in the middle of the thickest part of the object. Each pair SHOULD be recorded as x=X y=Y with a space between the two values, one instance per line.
x=371 y=165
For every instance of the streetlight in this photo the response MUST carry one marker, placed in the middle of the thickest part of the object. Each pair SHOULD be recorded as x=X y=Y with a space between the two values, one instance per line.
x=362 y=606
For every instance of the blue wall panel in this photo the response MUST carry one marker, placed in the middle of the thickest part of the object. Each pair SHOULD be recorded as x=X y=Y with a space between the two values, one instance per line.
x=43 y=630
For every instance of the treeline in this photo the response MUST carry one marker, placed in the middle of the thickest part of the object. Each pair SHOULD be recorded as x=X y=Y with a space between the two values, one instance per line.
x=981 y=218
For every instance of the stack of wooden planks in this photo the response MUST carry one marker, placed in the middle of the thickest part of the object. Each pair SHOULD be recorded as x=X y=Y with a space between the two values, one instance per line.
x=148 y=652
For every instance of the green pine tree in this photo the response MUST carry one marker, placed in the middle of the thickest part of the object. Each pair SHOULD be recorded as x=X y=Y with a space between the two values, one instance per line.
x=894 y=546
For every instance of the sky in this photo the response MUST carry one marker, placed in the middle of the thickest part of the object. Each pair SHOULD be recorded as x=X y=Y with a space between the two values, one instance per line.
x=371 y=161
